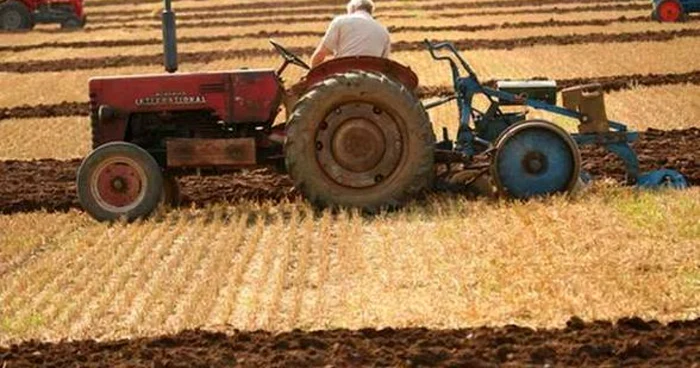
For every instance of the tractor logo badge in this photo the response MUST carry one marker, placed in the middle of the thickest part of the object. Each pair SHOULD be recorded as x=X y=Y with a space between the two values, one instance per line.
x=171 y=98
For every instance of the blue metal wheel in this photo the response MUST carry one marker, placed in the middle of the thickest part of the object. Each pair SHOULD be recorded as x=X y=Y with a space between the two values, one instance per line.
x=535 y=158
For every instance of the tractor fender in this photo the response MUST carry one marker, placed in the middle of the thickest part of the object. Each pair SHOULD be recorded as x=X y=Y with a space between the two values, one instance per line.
x=390 y=68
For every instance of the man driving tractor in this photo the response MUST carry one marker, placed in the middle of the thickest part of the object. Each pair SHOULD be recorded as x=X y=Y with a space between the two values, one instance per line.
x=356 y=33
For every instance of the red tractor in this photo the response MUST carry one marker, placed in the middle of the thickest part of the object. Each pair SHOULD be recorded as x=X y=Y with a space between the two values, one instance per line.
x=17 y=15
x=356 y=135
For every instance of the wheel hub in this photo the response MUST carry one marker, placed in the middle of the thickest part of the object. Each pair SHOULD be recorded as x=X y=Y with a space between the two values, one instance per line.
x=12 y=20
x=535 y=162
x=535 y=158
x=669 y=11
x=358 y=145
x=119 y=184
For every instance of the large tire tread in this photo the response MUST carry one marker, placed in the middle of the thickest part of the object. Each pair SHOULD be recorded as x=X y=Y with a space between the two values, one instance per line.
x=300 y=129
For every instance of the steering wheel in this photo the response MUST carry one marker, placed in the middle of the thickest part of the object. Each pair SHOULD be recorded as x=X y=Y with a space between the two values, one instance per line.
x=289 y=56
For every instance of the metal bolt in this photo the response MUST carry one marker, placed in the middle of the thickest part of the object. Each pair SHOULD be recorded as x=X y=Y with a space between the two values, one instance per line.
x=377 y=110
x=378 y=178
x=319 y=146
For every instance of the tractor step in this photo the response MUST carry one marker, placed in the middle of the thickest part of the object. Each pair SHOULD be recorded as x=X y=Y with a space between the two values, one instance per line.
x=200 y=152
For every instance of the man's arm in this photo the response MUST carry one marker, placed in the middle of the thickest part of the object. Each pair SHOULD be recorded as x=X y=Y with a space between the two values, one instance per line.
x=328 y=44
x=387 y=46
x=321 y=53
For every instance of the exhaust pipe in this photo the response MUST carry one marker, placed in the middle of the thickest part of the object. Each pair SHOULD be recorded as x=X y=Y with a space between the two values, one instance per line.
x=169 y=38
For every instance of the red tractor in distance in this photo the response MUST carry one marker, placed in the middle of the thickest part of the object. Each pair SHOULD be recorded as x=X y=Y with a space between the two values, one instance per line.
x=17 y=15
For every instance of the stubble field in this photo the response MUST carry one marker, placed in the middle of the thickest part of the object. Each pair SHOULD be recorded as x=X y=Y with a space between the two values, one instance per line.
x=245 y=252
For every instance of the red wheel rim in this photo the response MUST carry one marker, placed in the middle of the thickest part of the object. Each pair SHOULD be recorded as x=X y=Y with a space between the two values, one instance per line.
x=119 y=184
x=669 y=11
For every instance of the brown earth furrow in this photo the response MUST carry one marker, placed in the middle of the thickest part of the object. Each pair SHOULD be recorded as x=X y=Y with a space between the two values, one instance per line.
x=50 y=184
x=630 y=342
x=34 y=66
x=307 y=19
x=609 y=83
x=220 y=11
x=338 y=5
x=45 y=110
x=270 y=34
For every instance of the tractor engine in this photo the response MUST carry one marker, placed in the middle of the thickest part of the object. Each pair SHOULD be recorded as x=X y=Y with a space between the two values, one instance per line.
x=189 y=120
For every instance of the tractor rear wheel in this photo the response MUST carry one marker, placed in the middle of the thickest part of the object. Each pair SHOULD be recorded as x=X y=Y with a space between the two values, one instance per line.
x=119 y=180
x=360 y=140
x=535 y=158
x=669 y=11
x=14 y=16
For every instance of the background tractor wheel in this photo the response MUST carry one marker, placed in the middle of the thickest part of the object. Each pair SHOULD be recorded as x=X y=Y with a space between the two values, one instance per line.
x=535 y=158
x=359 y=139
x=119 y=180
x=72 y=22
x=14 y=16
x=669 y=11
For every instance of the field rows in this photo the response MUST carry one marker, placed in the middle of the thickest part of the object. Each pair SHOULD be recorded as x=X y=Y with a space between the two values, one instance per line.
x=244 y=251
x=302 y=22
x=34 y=66
x=470 y=31
x=556 y=62
x=383 y=12
x=252 y=10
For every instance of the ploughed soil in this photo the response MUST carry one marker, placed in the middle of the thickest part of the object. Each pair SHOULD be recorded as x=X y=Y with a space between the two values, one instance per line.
x=331 y=6
x=50 y=184
x=628 y=342
x=319 y=33
x=34 y=66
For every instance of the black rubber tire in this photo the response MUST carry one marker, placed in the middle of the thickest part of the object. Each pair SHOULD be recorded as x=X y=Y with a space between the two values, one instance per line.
x=171 y=191
x=72 y=23
x=528 y=124
x=150 y=197
x=18 y=10
x=413 y=171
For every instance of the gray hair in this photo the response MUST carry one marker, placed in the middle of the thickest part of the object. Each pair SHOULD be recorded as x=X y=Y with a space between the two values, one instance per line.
x=366 y=5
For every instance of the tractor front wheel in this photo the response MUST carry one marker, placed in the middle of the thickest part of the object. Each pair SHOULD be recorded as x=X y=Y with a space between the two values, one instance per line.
x=14 y=16
x=119 y=180
x=359 y=140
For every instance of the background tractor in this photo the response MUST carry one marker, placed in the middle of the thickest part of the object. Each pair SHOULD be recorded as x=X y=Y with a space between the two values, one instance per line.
x=356 y=135
x=17 y=15
x=674 y=10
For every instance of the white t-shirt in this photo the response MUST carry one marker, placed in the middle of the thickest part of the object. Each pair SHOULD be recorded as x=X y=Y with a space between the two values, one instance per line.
x=357 y=34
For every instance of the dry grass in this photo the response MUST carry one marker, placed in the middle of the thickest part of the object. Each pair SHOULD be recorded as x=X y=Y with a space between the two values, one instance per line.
x=451 y=263
x=446 y=263
x=60 y=138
